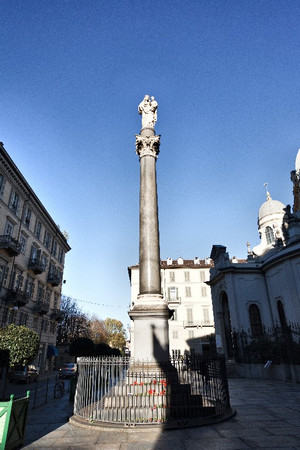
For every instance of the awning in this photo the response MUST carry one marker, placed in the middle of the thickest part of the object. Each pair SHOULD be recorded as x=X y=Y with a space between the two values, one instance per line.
x=52 y=351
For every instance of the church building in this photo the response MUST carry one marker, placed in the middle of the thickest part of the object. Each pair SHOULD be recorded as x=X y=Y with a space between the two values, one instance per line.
x=261 y=292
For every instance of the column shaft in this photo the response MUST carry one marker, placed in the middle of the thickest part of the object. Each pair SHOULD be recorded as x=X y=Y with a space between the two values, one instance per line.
x=149 y=258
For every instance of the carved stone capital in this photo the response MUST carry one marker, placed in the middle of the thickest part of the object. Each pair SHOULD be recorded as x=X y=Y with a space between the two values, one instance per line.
x=147 y=145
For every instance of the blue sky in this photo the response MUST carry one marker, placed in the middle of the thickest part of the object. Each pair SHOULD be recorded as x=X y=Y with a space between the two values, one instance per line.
x=226 y=77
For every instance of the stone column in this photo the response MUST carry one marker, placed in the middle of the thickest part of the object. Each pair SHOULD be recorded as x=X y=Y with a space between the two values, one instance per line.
x=150 y=312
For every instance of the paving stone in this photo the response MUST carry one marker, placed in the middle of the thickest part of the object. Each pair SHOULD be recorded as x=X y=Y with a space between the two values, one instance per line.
x=273 y=442
x=261 y=422
x=245 y=432
x=213 y=444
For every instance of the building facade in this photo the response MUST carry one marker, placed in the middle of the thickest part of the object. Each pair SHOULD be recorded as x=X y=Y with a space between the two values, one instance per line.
x=183 y=284
x=261 y=292
x=32 y=255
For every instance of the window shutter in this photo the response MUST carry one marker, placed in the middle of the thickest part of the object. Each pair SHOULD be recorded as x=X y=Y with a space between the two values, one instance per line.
x=21 y=278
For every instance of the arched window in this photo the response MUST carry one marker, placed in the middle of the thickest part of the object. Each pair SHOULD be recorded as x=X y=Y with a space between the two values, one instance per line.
x=269 y=235
x=281 y=314
x=255 y=320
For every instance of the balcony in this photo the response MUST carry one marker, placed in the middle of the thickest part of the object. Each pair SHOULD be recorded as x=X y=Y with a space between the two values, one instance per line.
x=11 y=245
x=174 y=300
x=54 y=279
x=36 y=265
x=41 y=308
x=197 y=324
x=16 y=297
x=56 y=314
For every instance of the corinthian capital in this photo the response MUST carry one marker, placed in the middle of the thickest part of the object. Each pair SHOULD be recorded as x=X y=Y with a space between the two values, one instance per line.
x=147 y=145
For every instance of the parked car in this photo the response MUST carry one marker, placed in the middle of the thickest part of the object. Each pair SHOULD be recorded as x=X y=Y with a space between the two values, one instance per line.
x=68 y=370
x=24 y=374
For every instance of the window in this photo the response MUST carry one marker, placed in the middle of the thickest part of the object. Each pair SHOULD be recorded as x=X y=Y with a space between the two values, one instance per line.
x=9 y=228
x=203 y=291
x=52 y=327
x=189 y=315
x=16 y=280
x=44 y=261
x=255 y=320
x=175 y=334
x=35 y=323
x=48 y=296
x=186 y=276
x=40 y=293
x=173 y=293
x=12 y=316
x=269 y=235
x=2 y=271
x=205 y=313
x=172 y=276
x=202 y=276
x=2 y=184
x=56 y=297
x=188 y=291
x=54 y=248
x=27 y=217
x=23 y=242
x=47 y=240
x=23 y=318
x=35 y=254
x=191 y=334
x=14 y=202
x=29 y=287
x=60 y=255
x=281 y=314
x=5 y=314
x=38 y=229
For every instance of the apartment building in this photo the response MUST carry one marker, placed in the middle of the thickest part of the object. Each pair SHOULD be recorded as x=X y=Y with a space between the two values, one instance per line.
x=32 y=255
x=183 y=284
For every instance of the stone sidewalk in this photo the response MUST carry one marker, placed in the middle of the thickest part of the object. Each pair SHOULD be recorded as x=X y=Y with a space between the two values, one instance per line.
x=268 y=416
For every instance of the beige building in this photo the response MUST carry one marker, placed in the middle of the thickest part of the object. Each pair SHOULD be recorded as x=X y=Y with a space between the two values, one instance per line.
x=32 y=255
x=185 y=290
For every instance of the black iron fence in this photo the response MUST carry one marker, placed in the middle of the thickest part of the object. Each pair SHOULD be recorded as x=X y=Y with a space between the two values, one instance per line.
x=277 y=344
x=127 y=392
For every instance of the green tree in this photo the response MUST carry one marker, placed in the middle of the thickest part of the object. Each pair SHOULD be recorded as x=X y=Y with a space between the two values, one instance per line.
x=97 y=330
x=74 y=323
x=22 y=343
x=82 y=347
x=116 y=334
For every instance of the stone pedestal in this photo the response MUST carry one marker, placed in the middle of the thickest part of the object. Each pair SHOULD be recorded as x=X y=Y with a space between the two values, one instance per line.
x=150 y=312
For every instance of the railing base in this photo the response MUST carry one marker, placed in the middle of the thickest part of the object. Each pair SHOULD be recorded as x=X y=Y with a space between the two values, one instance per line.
x=131 y=427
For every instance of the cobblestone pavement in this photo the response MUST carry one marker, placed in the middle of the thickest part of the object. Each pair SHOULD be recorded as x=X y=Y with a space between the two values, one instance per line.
x=268 y=417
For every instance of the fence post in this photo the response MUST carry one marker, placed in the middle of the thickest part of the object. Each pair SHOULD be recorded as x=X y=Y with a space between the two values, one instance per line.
x=35 y=392
x=46 y=397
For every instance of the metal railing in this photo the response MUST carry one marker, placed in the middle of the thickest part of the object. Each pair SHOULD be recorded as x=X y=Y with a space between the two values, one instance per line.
x=197 y=324
x=127 y=392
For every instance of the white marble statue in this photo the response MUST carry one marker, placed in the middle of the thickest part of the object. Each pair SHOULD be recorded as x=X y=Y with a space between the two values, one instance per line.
x=148 y=110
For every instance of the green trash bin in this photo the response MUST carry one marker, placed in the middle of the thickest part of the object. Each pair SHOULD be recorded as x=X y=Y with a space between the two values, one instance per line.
x=13 y=416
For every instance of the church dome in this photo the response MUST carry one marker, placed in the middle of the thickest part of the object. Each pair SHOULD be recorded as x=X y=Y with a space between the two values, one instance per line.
x=270 y=207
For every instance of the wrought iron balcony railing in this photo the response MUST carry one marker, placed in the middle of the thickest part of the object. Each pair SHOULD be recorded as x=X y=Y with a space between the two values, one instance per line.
x=41 y=308
x=17 y=297
x=176 y=300
x=54 y=279
x=56 y=314
x=11 y=245
x=36 y=265
x=197 y=324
